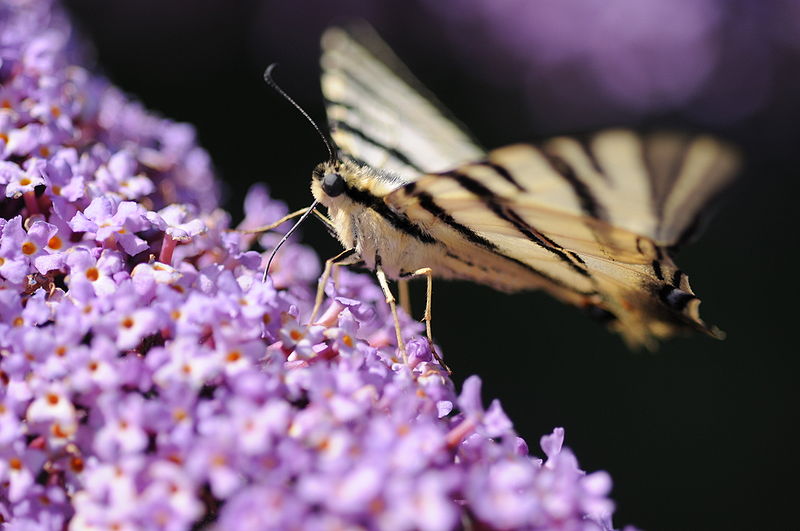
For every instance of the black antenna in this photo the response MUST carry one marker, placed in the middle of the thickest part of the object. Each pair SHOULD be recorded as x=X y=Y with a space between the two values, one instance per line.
x=271 y=83
x=286 y=236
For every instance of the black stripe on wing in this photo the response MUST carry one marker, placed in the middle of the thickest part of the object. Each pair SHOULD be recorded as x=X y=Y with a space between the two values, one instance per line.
x=427 y=202
x=506 y=213
x=503 y=173
x=338 y=125
x=590 y=205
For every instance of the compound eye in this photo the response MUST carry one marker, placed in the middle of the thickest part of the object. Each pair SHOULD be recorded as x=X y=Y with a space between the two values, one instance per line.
x=333 y=184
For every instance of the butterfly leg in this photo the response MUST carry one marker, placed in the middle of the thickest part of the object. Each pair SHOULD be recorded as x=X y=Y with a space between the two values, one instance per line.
x=348 y=256
x=391 y=301
x=427 y=272
x=276 y=224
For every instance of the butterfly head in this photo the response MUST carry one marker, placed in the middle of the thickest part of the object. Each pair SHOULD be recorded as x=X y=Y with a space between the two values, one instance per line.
x=329 y=182
x=338 y=184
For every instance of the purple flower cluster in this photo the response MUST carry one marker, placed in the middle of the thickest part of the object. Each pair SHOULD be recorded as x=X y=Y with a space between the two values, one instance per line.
x=150 y=380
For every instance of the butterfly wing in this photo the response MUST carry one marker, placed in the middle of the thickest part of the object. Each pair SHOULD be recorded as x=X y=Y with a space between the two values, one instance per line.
x=594 y=218
x=380 y=115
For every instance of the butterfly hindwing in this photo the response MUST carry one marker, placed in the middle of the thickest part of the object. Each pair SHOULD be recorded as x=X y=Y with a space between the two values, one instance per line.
x=595 y=217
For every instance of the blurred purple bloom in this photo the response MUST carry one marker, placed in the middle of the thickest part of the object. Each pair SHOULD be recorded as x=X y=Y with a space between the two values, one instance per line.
x=580 y=63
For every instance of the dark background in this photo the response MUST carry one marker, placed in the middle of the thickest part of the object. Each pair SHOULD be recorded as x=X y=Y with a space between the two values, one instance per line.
x=701 y=434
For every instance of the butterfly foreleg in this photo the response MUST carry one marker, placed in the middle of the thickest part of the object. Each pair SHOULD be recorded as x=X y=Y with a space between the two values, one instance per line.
x=390 y=300
x=276 y=224
x=346 y=257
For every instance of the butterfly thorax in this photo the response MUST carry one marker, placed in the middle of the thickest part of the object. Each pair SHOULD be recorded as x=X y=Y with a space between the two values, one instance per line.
x=354 y=197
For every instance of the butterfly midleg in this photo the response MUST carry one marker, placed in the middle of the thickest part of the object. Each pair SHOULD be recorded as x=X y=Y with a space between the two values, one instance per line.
x=348 y=256
x=391 y=301
x=427 y=272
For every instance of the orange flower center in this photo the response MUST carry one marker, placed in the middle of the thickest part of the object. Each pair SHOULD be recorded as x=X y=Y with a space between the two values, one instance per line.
x=76 y=463
x=55 y=243
x=92 y=274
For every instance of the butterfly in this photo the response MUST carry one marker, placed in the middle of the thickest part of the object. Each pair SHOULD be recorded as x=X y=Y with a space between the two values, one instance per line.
x=594 y=221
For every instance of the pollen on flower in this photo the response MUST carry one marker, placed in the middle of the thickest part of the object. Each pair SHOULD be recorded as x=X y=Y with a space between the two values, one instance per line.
x=53 y=399
x=60 y=351
x=15 y=464
x=347 y=340
x=18 y=321
x=56 y=189
x=93 y=366
x=128 y=322
x=233 y=356
x=76 y=464
x=25 y=181
x=55 y=243
x=175 y=315
x=92 y=274
x=59 y=432
x=179 y=414
x=29 y=248
x=377 y=506
x=296 y=335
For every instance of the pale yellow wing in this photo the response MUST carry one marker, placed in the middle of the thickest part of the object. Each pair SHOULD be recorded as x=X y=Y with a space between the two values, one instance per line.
x=380 y=115
x=595 y=218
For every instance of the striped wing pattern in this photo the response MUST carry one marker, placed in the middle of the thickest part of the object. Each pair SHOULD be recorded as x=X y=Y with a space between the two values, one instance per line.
x=593 y=221
x=377 y=118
